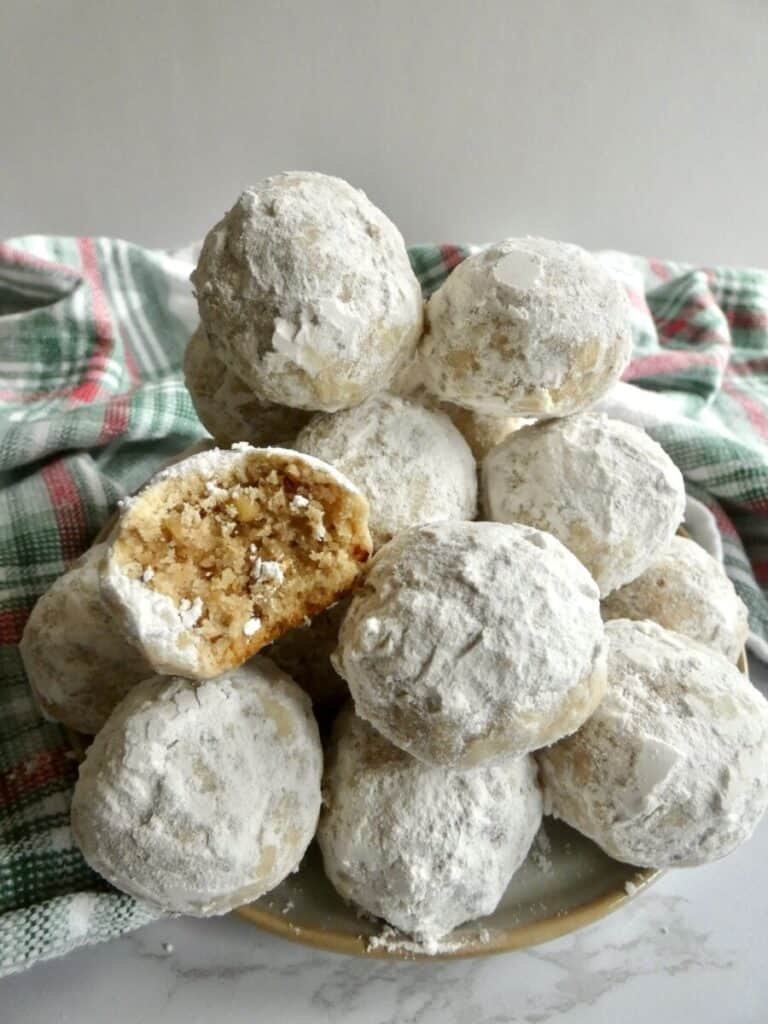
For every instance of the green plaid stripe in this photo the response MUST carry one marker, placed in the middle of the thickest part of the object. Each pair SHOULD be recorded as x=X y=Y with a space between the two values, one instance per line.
x=92 y=401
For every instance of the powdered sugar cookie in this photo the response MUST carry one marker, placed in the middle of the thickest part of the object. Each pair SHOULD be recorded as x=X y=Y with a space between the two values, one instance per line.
x=603 y=487
x=526 y=327
x=471 y=642
x=228 y=408
x=306 y=292
x=424 y=848
x=672 y=768
x=78 y=664
x=686 y=590
x=411 y=463
x=198 y=797
x=220 y=554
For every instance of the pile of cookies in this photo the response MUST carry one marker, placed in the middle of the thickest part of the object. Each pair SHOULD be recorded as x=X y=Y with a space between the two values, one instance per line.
x=538 y=641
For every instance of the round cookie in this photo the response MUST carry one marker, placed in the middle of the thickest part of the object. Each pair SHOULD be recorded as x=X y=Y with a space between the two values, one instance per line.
x=471 y=642
x=685 y=589
x=526 y=327
x=198 y=797
x=672 y=768
x=228 y=408
x=222 y=553
x=306 y=292
x=305 y=654
x=411 y=463
x=602 y=487
x=424 y=848
x=77 y=663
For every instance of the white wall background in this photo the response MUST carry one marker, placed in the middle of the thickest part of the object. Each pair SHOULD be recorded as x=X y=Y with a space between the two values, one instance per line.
x=639 y=125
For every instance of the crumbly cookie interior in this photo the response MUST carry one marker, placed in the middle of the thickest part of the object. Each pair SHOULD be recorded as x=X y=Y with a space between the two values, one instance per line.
x=249 y=553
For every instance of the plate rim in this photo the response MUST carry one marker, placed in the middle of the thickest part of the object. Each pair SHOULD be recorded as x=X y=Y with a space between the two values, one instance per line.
x=503 y=940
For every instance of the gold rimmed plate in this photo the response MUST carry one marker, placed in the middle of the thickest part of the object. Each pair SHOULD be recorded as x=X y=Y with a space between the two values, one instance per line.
x=565 y=884
x=561 y=888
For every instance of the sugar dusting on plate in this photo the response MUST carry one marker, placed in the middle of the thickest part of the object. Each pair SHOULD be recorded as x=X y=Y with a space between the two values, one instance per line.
x=393 y=941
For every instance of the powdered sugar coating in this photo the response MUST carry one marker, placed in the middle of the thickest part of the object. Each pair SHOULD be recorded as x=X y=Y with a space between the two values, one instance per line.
x=685 y=589
x=470 y=642
x=307 y=294
x=672 y=768
x=424 y=848
x=527 y=327
x=197 y=797
x=411 y=463
x=480 y=431
x=228 y=407
x=603 y=487
x=161 y=628
x=78 y=664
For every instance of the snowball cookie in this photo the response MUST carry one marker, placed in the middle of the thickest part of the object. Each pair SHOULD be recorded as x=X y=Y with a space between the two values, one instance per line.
x=672 y=768
x=305 y=654
x=527 y=327
x=470 y=642
x=422 y=847
x=77 y=663
x=603 y=487
x=306 y=292
x=223 y=552
x=685 y=589
x=412 y=464
x=228 y=408
x=198 y=797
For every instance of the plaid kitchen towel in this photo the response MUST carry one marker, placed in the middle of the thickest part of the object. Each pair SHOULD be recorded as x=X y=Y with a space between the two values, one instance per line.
x=92 y=401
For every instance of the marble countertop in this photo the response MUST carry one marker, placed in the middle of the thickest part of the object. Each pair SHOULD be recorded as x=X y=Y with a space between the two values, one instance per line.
x=692 y=948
